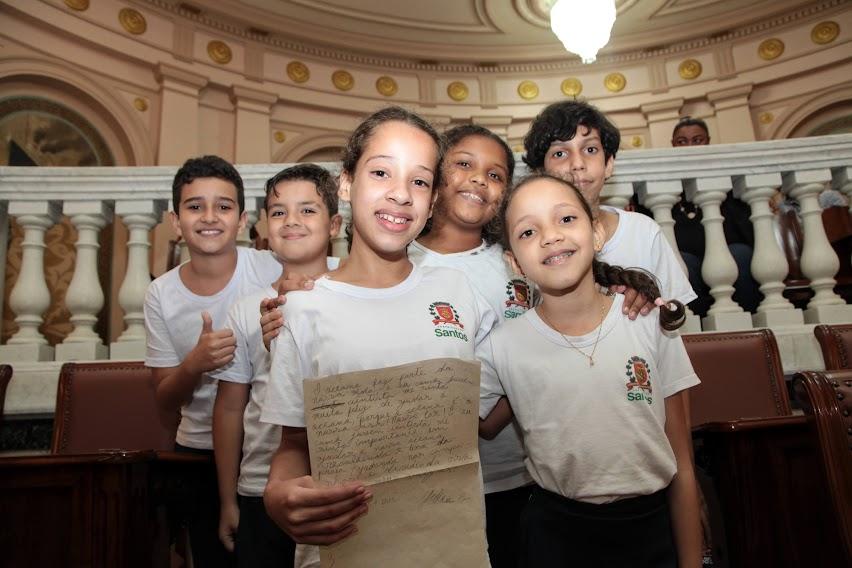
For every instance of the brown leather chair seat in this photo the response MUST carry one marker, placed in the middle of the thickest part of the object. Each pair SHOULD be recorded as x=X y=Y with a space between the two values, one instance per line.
x=5 y=377
x=836 y=344
x=107 y=405
x=826 y=398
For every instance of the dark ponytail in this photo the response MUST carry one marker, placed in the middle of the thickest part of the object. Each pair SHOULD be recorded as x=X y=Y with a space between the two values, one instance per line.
x=672 y=312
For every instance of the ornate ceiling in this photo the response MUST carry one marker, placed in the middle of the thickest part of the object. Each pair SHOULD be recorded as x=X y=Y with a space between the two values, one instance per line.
x=474 y=31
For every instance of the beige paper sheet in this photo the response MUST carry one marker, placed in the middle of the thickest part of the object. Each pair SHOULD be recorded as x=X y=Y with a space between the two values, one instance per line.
x=411 y=433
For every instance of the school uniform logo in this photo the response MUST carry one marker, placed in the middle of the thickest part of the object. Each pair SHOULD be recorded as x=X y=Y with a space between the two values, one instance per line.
x=518 y=292
x=639 y=385
x=446 y=320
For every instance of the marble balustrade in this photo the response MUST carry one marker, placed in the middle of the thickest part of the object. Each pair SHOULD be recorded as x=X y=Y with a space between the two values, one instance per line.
x=93 y=197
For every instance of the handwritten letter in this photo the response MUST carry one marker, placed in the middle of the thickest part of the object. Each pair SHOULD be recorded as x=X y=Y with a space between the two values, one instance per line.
x=411 y=433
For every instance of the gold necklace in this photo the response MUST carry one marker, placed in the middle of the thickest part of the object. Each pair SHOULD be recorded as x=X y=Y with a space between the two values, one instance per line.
x=591 y=357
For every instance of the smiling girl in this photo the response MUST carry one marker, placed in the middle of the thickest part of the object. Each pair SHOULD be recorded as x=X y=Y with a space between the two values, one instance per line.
x=597 y=397
x=463 y=234
x=373 y=312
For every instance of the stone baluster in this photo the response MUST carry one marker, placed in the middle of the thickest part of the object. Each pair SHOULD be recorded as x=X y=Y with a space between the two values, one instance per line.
x=819 y=261
x=140 y=217
x=339 y=246
x=85 y=297
x=718 y=269
x=30 y=296
x=841 y=180
x=659 y=197
x=768 y=263
x=617 y=194
x=252 y=215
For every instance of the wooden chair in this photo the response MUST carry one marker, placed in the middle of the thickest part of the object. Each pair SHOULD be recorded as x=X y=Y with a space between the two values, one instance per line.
x=760 y=459
x=836 y=344
x=107 y=406
x=741 y=376
x=827 y=400
x=5 y=377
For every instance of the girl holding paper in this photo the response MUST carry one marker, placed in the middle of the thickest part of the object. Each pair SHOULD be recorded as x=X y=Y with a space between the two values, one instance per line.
x=377 y=310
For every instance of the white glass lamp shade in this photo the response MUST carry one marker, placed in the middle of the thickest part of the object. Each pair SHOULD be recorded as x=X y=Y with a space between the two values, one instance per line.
x=583 y=26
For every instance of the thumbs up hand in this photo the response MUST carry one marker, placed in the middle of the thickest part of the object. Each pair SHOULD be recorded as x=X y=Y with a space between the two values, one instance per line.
x=214 y=348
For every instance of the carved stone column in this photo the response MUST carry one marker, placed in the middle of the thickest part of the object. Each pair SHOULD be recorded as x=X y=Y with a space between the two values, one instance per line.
x=659 y=197
x=252 y=134
x=819 y=261
x=179 y=92
x=617 y=194
x=768 y=263
x=85 y=297
x=30 y=296
x=719 y=270
x=140 y=217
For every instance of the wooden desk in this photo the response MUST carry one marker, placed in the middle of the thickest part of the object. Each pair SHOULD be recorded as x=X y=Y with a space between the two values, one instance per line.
x=110 y=509
x=776 y=510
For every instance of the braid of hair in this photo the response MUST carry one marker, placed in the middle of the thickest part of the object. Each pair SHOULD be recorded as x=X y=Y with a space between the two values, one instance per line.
x=672 y=313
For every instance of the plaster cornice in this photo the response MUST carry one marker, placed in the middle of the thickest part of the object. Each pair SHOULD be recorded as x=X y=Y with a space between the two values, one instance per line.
x=364 y=59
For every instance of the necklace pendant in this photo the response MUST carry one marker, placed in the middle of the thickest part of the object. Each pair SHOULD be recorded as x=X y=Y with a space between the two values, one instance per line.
x=691 y=215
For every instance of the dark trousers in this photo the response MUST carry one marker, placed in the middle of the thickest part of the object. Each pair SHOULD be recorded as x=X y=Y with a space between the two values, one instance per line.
x=503 y=525
x=202 y=520
x=630 y=533
x=260 y=542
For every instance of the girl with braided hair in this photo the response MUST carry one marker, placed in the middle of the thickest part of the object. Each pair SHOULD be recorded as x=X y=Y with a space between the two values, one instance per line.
x=598 y=397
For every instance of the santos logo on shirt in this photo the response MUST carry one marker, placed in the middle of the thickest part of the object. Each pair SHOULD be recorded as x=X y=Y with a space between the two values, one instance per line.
x=518 y=292
x=446 y=320
x=639 y=387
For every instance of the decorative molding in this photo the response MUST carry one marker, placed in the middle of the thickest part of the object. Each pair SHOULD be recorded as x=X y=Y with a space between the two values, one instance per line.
x=179 y=79
x=658 y=76
x=527 y=90
x=457 y=91
x=636 y=142
x=770 y=49
x=342 y=80
x=689 y=69
x=79 y=5
x=253 y=63
x=183 y=40
x=426 y=90
x=386 y=86
x=251 y=99
x=825 y=32
x=219 y=52
x=561 y=65
x=571 y=87
x=488 y=91
x=279 y=136
x=132 y=21
x=723 y=58
x=615 y=82
x=731 y=97
x=140 y=104
x=765 y=117
x=298 y=72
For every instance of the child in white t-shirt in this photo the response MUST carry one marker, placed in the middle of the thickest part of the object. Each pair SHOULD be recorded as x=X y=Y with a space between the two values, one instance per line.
x=301 y=210
x=575 y=141
x=185 y=310
x=597 y=397
x=377 y=310
x=463 y=234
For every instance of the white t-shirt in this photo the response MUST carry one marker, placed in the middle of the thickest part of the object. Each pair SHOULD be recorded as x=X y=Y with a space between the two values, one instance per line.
x=338 y=328
x=638 y=242
x=593 y=434
x=250 y=366
x=173 y=324
x=503 y=457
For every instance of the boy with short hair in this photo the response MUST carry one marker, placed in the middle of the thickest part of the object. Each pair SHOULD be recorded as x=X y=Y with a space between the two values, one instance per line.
x=574 y=140
x=301 y=208
x=185 y=310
